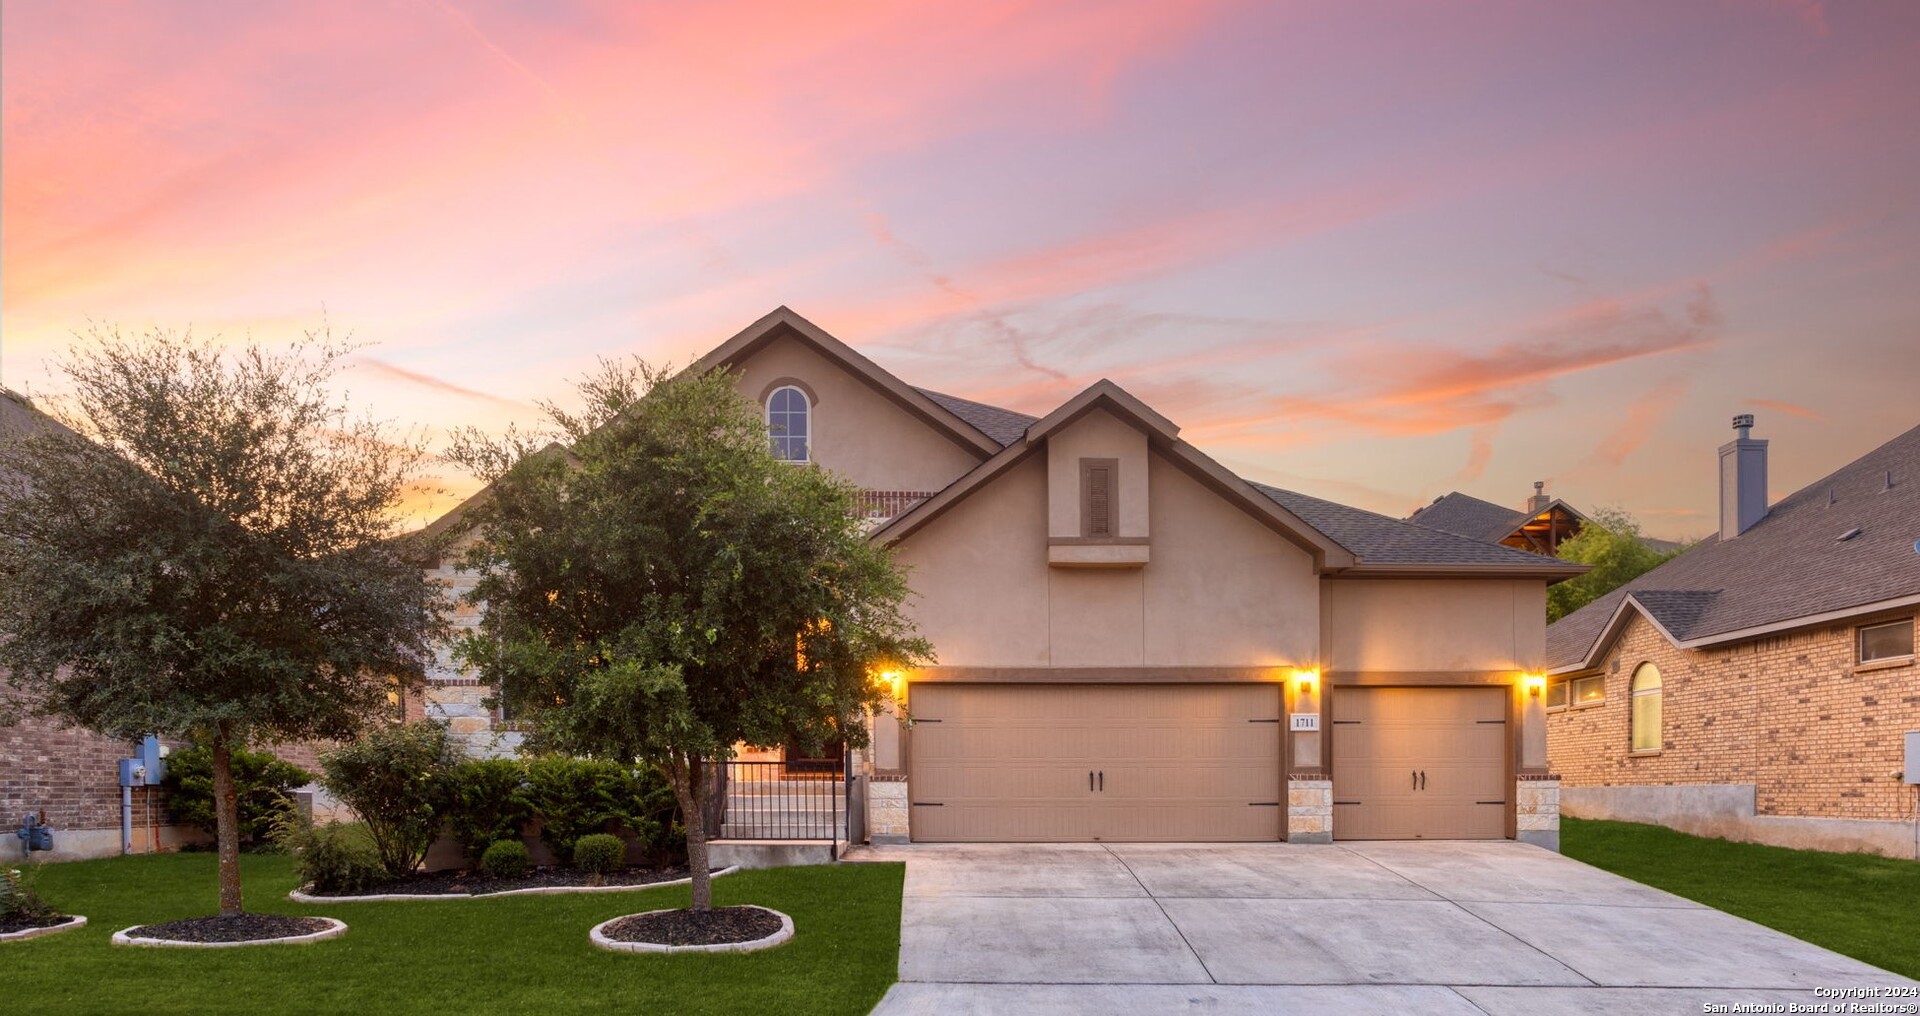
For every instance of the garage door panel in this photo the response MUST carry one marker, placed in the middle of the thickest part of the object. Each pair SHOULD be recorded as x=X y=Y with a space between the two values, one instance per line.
x=1420 y=763
x=1169 y=762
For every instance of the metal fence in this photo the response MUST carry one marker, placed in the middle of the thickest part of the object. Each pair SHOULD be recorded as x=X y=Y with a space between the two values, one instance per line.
x=802 y=800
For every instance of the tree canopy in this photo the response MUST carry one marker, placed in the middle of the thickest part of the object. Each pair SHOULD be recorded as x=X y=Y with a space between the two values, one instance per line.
x=211 y=551
x=1610 y=541
x=661 y=588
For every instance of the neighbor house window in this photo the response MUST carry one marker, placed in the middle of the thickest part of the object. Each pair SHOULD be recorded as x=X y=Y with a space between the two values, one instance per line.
x=1886 y=641
x=789 y=422
x=1587 y=691
x=1646 y=708
x=1557 y=695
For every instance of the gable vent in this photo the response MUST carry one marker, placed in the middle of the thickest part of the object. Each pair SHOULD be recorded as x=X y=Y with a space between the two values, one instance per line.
x=1097 y=488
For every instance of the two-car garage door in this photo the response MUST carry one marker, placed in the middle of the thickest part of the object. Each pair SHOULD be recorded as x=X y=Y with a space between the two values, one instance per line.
x=1096 y=762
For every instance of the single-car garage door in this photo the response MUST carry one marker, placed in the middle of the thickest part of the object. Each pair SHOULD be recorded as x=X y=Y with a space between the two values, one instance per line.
x=1095 y=762
x=1419 y=763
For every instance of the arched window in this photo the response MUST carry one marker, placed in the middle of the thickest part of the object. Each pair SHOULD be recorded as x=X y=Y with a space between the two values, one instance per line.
x=1646 y=708
x=789 y=421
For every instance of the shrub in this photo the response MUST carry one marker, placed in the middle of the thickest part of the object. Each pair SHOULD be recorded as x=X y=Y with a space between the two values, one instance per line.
x=263 y=782
x=391 y=778
x=482 y=802
x=600 y=853
x=18 y=901
x=575 y=796
x=332 y=858
x=506 y=859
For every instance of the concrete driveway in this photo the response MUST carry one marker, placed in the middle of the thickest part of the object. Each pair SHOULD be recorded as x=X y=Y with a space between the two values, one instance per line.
x=1432 y=927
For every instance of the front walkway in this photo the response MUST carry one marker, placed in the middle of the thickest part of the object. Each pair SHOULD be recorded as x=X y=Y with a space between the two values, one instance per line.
x=1431 y=927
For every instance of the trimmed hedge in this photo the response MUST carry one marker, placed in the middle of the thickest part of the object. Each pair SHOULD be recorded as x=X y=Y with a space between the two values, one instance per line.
x=506 y=859
x=262 y=781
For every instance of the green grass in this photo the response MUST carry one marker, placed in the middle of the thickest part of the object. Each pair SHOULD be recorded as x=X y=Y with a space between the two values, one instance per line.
x=526 y=954
x=1861 y=905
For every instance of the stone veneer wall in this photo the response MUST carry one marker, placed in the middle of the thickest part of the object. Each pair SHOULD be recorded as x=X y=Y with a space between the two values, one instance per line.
x=1791 y=715
x=453 y=696
x=1309 y=810
x=887 y=809
x=1537 y=811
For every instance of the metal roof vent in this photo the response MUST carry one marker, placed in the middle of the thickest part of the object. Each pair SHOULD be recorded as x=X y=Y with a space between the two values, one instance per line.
x=1848 y=535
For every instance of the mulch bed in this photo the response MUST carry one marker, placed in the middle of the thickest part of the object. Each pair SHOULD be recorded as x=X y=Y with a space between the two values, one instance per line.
x=234 y=928
x=724 y=925
x=475 y=883
x=9 y=925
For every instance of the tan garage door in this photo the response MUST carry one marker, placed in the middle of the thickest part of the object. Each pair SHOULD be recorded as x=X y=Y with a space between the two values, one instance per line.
x=1419 y=763
x=1095 y=762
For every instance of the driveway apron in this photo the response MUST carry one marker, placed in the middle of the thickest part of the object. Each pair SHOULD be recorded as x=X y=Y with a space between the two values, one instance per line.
x=1393 y=927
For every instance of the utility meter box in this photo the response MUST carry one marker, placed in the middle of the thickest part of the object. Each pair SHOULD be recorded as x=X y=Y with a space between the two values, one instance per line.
x=1912 y=773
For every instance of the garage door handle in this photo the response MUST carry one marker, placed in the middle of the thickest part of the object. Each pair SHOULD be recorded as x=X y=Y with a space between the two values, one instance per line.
x=1103 y=781
x=1414 y=774
x=1089 y=780
x=1423 y=779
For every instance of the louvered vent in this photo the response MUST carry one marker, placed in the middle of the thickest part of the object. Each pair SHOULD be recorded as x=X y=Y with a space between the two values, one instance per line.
x=1097 y=485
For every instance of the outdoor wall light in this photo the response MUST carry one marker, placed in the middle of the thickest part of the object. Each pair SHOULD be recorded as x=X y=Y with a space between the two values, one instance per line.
x=1536 y=684
x=1304 y=679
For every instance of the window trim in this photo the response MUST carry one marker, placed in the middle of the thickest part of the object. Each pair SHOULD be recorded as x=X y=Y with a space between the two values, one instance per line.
x=806 y=436
x=1634 y=694
x=1860 y=644
x=1573 y=699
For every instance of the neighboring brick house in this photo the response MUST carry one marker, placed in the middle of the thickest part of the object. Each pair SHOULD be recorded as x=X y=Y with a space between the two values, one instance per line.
x=1758 y=686
x=1134 y=643
x=72 y=775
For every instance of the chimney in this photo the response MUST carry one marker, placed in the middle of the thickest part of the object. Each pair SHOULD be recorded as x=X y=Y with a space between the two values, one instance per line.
x=1539 y=501
x=1743 y=480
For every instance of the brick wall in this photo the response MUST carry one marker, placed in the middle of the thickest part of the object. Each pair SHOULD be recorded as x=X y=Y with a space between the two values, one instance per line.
x=72 y=774
x=1789 y=714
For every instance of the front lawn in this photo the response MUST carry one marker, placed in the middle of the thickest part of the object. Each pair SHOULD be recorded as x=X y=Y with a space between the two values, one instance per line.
x=526 y=954
x=1861 y=905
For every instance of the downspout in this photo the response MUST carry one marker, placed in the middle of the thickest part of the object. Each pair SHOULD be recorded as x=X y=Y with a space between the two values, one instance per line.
x=126 y=820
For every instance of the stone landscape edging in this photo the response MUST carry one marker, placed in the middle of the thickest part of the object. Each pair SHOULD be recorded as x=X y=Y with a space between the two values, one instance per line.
x=545 y=890
x=777 y=938
x=338 y=929
x=69 y=924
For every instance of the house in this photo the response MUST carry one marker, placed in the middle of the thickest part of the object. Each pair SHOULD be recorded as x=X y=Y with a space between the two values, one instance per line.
x=1540 y=527
x=1757 y=686
x=1136 y=644
x=72 y=775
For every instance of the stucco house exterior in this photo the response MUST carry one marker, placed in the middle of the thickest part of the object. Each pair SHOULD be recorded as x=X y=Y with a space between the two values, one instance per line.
x=1758 y=686
x=1135 y=644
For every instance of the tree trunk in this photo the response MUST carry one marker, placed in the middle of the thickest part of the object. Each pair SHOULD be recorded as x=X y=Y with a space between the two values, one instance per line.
x=697 y=867
x=226 y=811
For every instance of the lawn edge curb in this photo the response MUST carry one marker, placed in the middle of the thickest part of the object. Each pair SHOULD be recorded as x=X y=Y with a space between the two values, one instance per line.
x=777 y=938
x=22 y=935
x=339 y=928
x=550 y=890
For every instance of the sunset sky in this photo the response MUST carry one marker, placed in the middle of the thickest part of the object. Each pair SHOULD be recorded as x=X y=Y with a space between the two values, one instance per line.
x=1371 y=252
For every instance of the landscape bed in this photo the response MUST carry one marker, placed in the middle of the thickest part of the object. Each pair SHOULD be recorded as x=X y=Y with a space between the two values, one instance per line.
x=475 y=884
x=498 y=954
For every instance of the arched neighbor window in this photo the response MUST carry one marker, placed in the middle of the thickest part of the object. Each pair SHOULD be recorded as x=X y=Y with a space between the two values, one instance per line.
x=790 y=421
x=1646 y=708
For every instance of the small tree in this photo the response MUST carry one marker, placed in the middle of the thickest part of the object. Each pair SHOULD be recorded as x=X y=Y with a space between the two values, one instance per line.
x=1610 y=541
x=215 y=558
x=666 y=588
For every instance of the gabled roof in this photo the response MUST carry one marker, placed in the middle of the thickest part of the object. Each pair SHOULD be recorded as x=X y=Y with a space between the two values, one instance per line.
x=1468 y=516
x=1792 y=568
x=783 y=322
x=1162 y=436
x=1385 y=545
